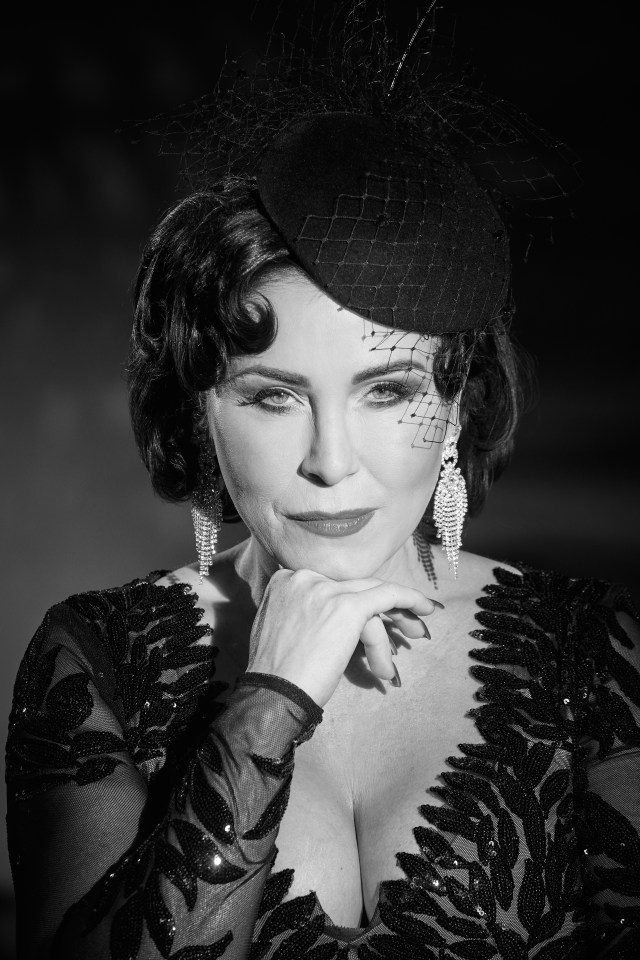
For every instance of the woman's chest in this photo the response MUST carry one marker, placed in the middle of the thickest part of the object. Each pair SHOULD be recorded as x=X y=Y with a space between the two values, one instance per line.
x=359 y=782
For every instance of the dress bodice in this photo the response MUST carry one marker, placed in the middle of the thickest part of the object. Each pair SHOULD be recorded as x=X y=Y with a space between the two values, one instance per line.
x=127 y=755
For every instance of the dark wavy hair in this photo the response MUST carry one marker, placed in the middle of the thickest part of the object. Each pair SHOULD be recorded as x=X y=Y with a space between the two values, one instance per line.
x=195 y=308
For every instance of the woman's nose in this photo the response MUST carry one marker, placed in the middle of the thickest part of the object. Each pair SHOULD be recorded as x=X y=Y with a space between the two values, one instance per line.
x=331 y=454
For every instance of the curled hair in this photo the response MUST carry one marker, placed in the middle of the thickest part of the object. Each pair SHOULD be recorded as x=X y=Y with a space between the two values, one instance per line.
x=194 y=310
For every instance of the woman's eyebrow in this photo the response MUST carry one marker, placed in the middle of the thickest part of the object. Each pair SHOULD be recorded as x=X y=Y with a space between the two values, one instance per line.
x=296 y=380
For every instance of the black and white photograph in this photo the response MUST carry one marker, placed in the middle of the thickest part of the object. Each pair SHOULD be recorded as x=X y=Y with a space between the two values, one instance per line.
x=319 y=491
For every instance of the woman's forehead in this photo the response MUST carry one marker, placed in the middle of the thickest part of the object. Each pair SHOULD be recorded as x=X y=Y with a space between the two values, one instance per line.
x=311 y=325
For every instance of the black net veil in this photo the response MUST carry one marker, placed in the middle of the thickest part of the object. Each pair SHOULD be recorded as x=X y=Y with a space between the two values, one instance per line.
x=410 y=230
x=343 y=57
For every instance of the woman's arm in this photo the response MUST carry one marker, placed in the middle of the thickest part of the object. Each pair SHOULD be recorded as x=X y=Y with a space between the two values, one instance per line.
x=91 y=880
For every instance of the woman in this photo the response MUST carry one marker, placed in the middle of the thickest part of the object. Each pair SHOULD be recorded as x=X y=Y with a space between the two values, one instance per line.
x=223 y=760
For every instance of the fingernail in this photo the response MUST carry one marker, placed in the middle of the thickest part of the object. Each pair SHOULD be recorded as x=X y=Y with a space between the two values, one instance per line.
x=437 y=603
x=426 y=631
x=396 y=682
x=394 y=649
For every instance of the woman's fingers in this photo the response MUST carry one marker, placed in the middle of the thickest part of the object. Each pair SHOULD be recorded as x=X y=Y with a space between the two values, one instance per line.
x=308 y=626
x=377 y=649
x=378 y=642
x=385 y=597
x=408 y=623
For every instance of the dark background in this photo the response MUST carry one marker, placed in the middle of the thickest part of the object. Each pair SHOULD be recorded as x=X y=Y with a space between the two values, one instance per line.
x=77 y=201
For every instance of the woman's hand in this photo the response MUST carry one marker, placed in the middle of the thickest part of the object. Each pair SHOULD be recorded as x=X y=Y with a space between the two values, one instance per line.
x=307 y=627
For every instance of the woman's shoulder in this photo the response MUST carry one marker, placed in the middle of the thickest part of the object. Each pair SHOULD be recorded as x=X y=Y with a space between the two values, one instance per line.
x=132 y=643
x=476 y=571
x=480 y=575
x=215 y=594
x=117 y=624
x=574 y=618
x=167 y=620
x=131 y=601
x=572 y=641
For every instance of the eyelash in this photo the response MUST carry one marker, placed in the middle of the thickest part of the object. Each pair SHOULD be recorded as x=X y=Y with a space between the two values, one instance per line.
x=401 y=391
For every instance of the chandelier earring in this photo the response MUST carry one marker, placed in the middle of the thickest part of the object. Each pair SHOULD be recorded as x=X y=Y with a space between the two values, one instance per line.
x=206 y=509
x=450 y=503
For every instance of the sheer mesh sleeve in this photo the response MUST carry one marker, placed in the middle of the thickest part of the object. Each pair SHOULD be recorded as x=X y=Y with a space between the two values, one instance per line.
x=94 y=878
x=608 y=781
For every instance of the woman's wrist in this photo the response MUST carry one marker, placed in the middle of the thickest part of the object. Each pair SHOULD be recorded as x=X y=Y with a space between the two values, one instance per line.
x=267 y=716
x=287 y=689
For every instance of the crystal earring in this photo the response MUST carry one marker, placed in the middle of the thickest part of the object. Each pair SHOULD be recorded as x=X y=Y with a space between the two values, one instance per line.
x=206 y=512
x=450 y=504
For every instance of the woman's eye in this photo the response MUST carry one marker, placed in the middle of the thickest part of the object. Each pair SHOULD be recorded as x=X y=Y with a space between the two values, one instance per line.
x=281 y=401
x=273 y=400
x=391 y=392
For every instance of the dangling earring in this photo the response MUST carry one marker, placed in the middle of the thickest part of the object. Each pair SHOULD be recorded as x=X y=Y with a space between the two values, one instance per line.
x=450 y=503
x=206 y=511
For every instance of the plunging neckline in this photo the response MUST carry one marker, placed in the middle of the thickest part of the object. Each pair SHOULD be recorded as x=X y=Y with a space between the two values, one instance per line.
x=350 y=935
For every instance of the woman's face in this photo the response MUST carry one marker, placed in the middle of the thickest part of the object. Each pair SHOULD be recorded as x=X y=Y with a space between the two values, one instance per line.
x=329 y=419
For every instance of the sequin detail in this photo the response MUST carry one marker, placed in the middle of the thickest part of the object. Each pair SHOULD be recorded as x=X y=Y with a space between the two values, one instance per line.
x=525 y=854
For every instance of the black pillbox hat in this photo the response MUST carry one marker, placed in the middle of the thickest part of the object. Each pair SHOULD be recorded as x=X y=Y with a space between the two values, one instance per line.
x=388 y=224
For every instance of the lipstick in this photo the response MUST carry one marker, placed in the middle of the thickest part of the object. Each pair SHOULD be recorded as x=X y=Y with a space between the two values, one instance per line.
x=340 y=524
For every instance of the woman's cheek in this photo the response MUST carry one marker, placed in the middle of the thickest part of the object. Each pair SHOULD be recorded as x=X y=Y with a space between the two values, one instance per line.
x=256 y=460
x=396 y=459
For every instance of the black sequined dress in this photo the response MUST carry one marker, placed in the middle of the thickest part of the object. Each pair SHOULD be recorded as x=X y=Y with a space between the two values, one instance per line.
x=145 y=796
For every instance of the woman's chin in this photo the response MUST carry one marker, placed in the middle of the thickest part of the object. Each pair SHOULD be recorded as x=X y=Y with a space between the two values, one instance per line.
x=333 y=560
x=357 y=556
x=337 y=571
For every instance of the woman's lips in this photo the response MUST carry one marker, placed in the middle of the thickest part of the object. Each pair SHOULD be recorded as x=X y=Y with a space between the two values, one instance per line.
x=334 y=525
